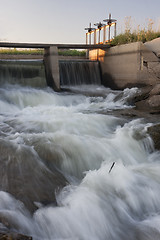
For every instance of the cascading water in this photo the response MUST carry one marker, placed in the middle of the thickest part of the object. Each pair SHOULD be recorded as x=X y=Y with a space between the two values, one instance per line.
x=79 y=72
x=23 y=72
x=56 y=153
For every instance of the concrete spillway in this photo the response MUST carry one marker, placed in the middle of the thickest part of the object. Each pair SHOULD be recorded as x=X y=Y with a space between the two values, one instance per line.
x=23 y=72
x=79 y=72
x=32 y=72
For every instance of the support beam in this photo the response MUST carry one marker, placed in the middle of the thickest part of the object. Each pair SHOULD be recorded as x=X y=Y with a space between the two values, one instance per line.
x=115 y=29
x=52 y=67
x=95 y=37
x=104 y=34
x=109 y=33
x=86 y=38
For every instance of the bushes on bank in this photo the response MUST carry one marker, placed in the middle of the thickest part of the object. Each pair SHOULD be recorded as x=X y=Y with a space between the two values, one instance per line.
x=140 y=35
x=15 y=51
x=70 y=52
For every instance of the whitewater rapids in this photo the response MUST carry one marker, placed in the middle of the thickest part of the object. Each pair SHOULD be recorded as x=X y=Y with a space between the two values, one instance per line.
x=56 y=153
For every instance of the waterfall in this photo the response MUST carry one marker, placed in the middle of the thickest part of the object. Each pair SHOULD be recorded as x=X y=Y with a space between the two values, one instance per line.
x=23 y=72
x=79 y=72
x=57 y=175
x=32 y=72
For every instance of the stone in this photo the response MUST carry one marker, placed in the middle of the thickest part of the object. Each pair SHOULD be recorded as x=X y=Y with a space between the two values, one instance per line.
x=154 y=46
x=154 y=102
x=154 y=70
x=154 y=132
x=155 y=90
x=148 y=99
x=143 y=94
x=26 y=177
x=14 y=236
x=142 y=105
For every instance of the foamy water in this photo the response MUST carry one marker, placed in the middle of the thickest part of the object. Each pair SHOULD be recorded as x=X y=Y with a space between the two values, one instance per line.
x=45 y=136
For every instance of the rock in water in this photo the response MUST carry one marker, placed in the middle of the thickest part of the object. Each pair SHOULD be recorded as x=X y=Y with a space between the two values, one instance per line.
x=155 y=90
x=148 y=100
x=24 y=175
x=14 y=236
x=154 y=132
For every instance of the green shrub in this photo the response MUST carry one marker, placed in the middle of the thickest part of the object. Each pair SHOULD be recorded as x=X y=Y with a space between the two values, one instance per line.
x=15 y=51
x=142 y=35
x=134 y=37
x=71 y=53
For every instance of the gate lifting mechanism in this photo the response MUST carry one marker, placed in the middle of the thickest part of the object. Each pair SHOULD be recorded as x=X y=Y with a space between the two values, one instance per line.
x=101 y=26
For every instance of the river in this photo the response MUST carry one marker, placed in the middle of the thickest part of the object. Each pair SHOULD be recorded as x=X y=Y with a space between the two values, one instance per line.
x=71 y=170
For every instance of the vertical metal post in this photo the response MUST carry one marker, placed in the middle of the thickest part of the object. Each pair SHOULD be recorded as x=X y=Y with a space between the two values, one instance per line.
x=90 y=38
x=115 y=29
x=109 y=33
x=90 y=29
x=88 y=34
x=95 y=37
x=104 y=34
x=99 y=37
x=86 y=38
x=110 y=21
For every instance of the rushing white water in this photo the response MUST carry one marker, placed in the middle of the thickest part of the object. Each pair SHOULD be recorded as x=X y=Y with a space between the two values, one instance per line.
x=45 y=136
x=79 y=72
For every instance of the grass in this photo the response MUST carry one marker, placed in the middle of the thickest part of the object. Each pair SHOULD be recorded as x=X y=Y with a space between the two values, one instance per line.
x=141 y=34
x=72 y=53
x=134 y=37
x=15 y=51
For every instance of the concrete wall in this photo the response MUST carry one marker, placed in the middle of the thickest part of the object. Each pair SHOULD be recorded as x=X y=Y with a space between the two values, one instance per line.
x=51 y=64
x=128 y=65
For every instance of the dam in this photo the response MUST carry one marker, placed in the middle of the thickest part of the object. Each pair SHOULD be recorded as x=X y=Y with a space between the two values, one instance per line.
x=129 y=65
x=32 y=72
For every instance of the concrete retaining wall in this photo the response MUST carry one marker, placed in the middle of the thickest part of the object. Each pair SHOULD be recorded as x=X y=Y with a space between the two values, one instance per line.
x=52 y=67
x=129 y=65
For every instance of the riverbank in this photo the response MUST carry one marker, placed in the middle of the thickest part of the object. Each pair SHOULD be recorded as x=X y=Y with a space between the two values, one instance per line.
x=148 y=102
x=147 y=107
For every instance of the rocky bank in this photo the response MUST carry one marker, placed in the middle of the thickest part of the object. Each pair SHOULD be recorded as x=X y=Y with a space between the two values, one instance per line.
x=148 y=99
x=147 y=103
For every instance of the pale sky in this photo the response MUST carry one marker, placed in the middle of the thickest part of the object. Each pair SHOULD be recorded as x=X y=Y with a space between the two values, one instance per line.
x=63 y=21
